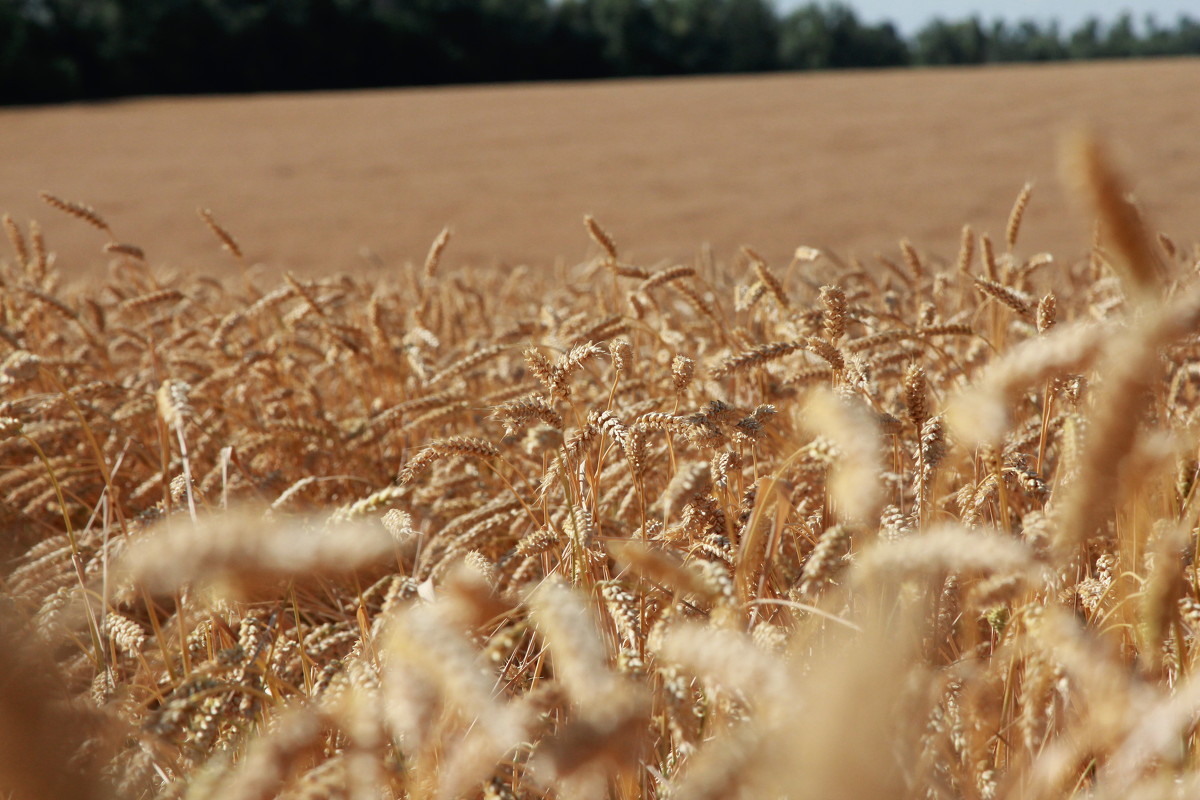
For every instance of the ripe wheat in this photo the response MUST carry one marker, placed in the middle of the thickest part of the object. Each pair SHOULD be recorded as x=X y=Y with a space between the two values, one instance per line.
x=701 y=531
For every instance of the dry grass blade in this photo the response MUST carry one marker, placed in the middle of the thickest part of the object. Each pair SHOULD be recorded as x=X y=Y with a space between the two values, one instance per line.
x=833 y=298
x=912 y=259
x=853 y=487
x=966 y=249
x=987 y=255
x=825 y=350
x=947 y=549
x=145 y=301
x=243 y=552
x=916 y=391
x=1016 y=216
x=1131 y=370
x=755 y=357
x=665 y=276
x=767 y=278
x=607 y=738
x=1089 y=170
x=16 y=239
x=981 y=414
x=730 y=660
x=521 y=412
x=78 y=210
x=429 y=666
x=1006 y=295
x=227 y=240
x=123 y=249
x=601 y=237
x=843 y=746
x=434 y=258
x=466 y=446
x=662 y=568
x=1047 y=313
x=468 y=363
x=574 y=639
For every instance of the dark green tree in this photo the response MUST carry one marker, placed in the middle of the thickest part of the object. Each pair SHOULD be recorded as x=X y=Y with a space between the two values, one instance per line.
x=707 y=36
x=751 y=36
x=33 y=66
x=1122 y=39
x=53 y=50
x=693 y=28
x=829 y=36
x=633 y=41
x=1186 y=37
x=1086 y=40
x=942 y=42
x=1026 y=41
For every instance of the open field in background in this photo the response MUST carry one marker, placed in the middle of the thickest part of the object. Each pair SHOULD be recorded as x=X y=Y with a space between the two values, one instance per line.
x=850 y=161
x=923 y=533
x=926 y=530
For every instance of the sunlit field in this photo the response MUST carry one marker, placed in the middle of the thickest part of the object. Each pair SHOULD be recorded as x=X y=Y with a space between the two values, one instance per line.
x=913 y=516
x=362 y=181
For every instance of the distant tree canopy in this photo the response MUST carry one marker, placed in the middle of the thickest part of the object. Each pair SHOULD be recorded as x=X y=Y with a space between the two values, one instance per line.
x=53 y=50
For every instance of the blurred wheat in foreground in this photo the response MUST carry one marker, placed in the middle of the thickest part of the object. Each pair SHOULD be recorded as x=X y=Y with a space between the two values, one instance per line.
x=918 y=528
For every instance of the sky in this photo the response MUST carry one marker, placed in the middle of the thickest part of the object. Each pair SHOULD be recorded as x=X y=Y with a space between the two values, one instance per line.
x=911 y=15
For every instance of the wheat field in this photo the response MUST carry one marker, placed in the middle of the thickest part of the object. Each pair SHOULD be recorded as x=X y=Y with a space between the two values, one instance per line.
x=922 y=527
x=360 y=181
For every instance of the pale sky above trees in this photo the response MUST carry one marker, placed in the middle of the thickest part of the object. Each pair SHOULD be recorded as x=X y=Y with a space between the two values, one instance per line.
x=910 y=15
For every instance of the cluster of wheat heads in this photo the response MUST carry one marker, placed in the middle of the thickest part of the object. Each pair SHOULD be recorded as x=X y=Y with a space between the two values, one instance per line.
x=917 y=528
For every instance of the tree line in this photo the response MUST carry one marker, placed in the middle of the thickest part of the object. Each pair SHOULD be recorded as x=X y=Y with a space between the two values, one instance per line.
x=55 y=50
